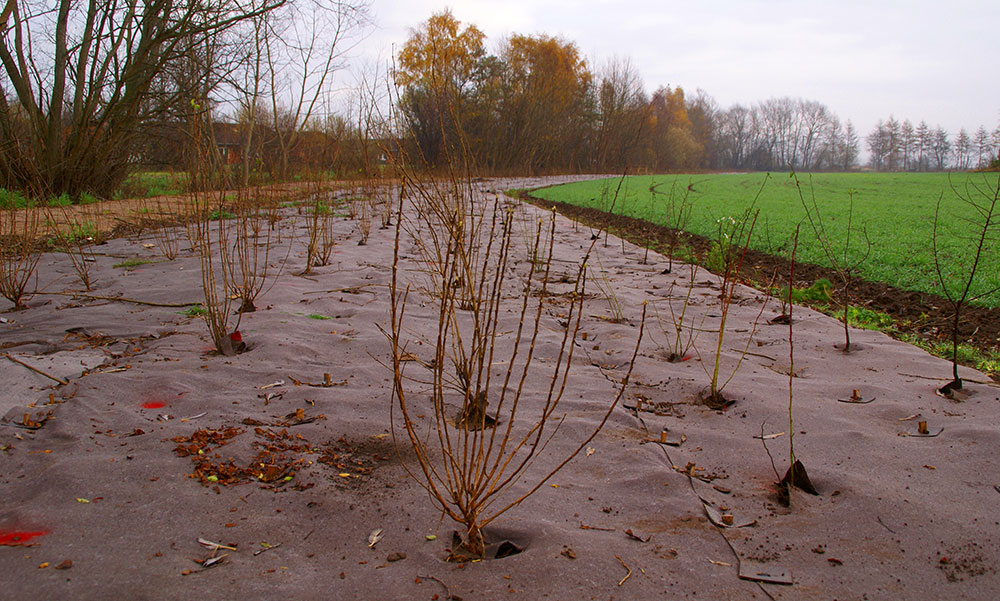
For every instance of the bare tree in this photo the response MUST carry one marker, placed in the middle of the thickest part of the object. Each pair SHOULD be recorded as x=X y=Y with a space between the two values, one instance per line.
x=923 y=145
x=621 y=104
x=304 y=45
x=941 y=147
x=984 y=150
x=962 y=149
x=89 y=81
x=851 y=145
x=908 y=143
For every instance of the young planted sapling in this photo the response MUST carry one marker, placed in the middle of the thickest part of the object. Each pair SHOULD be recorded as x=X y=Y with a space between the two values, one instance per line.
x=477 y=460
x=731 y=245
x=209 y=241
x=677 y=212
x=845 y=260
x=796 y=475
x=679 y=332
x=973 y=237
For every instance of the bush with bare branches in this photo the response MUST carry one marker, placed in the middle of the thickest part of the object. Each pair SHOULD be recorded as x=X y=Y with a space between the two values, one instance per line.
x=474 y=464
x=19 y=253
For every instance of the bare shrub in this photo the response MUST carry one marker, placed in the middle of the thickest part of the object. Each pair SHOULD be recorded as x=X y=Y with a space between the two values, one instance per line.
x=680 y=333
x=473 y=464
x=19 y=253
x=75 y=237
x=207 y=233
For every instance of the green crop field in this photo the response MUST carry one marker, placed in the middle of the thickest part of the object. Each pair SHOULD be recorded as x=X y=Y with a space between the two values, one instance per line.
x=895 y=210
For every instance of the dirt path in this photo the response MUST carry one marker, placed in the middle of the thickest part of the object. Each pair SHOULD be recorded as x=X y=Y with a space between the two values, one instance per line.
x=116 y=218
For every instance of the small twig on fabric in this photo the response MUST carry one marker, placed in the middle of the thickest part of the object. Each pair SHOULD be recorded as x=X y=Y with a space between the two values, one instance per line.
x=624 y=565
x=763 y=441
x=119 y=299
x=36 y=370
x=447 y=591
x=879 y=519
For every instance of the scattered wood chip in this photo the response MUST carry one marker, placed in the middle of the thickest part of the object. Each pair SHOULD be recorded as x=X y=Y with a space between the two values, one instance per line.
x=373 y=538
x=720 y=563
x=663 y=439
x=326 y=383
x=925 y=434
x=724 y=520
x=856 y=398
x=635 y=536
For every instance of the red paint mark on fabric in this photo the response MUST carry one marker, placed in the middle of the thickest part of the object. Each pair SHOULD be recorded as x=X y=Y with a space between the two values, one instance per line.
x=154 y=405
x=13 y=538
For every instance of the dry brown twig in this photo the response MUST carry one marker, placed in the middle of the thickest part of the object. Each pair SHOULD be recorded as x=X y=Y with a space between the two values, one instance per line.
x=35 y=369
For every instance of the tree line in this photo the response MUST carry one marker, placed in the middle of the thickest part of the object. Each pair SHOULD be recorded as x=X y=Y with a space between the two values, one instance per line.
x=537 y=106
x=895 y=146
x=236 y=90
x=94 y=89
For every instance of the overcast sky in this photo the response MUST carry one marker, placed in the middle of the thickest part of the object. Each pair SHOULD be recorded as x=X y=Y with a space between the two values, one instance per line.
x=864 y=59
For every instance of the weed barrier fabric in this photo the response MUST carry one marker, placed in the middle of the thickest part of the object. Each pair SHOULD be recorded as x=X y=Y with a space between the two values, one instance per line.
x=157 y=442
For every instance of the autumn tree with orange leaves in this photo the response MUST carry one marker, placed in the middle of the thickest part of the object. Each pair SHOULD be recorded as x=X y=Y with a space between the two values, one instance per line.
x=438 y=71
x=535 y=106
x=671 y=143
x=549 y=86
